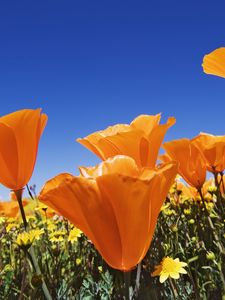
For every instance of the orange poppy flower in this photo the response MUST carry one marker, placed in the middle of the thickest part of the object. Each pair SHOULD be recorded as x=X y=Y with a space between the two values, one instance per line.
x=191 y=162
x=10 y=209
x=192 y=192
x=213 y=150
x=187 y=191
x=19 y=137
x=140 y=140
x=214 y=62
x=115 y=204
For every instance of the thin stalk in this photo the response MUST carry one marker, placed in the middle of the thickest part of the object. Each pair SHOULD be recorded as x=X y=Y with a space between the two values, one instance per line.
x=127 y=285
x=23 y=282
x=18 y=194
x=173 y=288
x=219 y=245
x=222 y=182
x=218 y=194
x=29 y=192
x=137 y=282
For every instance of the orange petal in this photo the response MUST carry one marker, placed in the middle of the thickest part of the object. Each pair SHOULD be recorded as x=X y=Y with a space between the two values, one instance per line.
x=213 y=149
x=118 y=164
x=146 y=123
x=136 y=205
x=79 y=200
x=91 y=141
x=27 y=126
x=8 y=157
x=191 y=162
x=214 y=63
x=130 y=200
x=164 y=178
x=155 y=139
x=11 y=209
x=124 y=143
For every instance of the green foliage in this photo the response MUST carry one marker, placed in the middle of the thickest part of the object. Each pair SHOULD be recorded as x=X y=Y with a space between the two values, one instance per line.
x=188 y=229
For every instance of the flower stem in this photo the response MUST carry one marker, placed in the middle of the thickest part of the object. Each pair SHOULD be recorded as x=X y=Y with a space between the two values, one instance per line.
x=127 y=285
x=137 y=283
x=18 y=194
x=174 y=290
x=217 y=240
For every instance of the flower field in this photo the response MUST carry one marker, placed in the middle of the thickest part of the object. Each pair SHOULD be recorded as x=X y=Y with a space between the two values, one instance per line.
x=73 y=269
x=139 y=225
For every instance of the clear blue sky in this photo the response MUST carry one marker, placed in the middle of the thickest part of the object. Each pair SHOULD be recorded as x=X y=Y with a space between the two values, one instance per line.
x=90 y=64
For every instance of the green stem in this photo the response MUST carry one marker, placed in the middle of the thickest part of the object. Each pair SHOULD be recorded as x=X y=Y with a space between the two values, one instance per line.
x=173 y=288
x=18 y=194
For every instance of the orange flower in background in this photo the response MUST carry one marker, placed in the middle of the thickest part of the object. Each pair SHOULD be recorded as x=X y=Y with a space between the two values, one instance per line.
x=115 y=204
x=213 y=150
x=10 y=209
x=214 y=62
x=187 y=191
x=20 y=133
x=191 y=192
x=140 y=140
x=191 y=162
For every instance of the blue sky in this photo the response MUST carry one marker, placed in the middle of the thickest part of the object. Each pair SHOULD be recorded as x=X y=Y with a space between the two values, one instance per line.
x=90 y=64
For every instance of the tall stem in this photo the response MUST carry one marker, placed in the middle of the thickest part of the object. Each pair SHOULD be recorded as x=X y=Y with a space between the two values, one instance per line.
x=34 y=262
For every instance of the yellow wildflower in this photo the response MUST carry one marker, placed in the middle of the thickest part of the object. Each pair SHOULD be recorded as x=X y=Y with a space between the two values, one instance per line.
x=57 y=236
x=2 y=220
x=78 y=261
x=51 y=226
x=100 y=269
x=74 y=234
x=210 y=255
x=169 y=212
x=169 y=267
x=41 y=207
x=30 y=218
x=165 y=206
x=26 y=238
x=11 y=226
x=187 y=211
